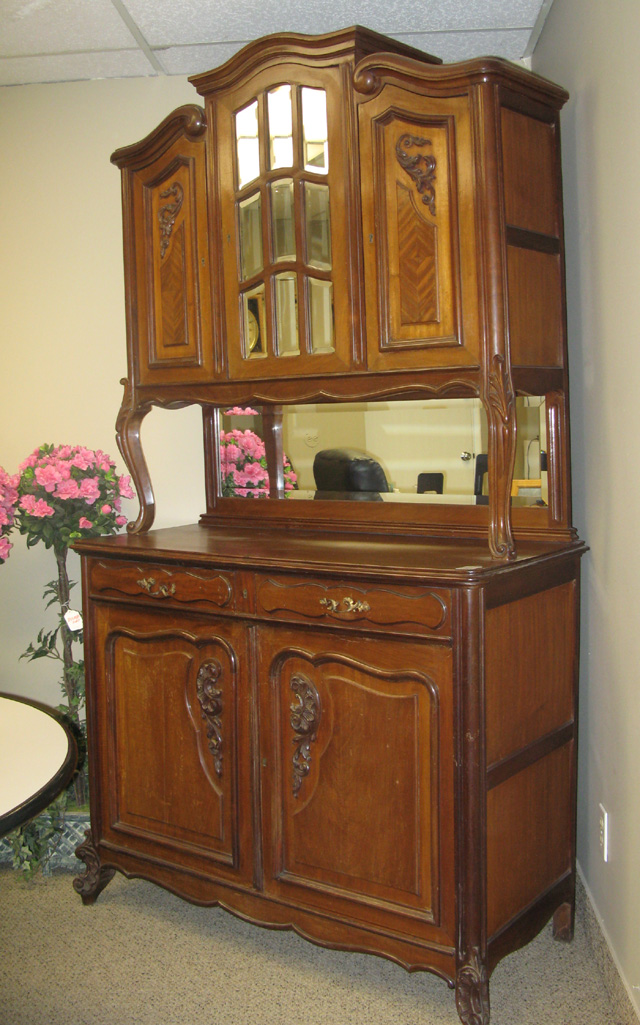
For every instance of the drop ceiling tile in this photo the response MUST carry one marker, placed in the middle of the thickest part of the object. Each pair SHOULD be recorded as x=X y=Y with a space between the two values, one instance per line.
x=180 y=22
x=60 y=26
x=191 y=60
x=450 y=46
x=74 y=67
x=459 y=46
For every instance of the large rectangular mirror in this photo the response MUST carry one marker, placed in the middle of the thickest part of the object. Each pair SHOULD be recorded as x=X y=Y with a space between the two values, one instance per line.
x=423 y=450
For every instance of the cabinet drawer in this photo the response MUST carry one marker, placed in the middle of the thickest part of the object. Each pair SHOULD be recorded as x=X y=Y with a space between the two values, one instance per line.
x=397 y=608
x=151 y=583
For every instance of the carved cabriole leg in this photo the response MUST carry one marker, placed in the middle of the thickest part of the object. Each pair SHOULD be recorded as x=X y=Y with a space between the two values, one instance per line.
x=91 y=884
x=128 y=425
x=563 y=922
x=472 y=992
x=501 y=415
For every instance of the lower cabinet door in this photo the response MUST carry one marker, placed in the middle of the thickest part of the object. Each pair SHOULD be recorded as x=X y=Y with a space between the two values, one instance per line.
x=170 y=757
x=357 y=778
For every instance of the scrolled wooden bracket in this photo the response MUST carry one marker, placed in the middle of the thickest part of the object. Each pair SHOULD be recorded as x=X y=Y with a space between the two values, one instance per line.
x=500 y=404
x=128 y=426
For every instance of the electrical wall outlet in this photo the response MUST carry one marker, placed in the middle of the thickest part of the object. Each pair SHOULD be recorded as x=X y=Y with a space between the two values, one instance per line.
x=604 y=832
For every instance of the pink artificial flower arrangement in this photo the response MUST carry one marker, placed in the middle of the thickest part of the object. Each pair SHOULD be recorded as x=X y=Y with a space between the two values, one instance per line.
x=8 y=500
x=243 y=462
x=67 y=492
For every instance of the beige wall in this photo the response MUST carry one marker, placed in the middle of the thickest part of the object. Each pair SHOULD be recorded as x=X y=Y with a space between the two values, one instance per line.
x=62 y=330
x=592 y=49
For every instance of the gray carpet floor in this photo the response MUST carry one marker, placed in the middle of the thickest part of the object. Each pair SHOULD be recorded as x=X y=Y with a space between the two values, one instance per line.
x=141 y=956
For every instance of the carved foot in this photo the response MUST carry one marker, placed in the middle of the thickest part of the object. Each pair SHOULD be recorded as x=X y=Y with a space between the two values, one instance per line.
x=91 y=884
x=472 y=992
x=563 y=922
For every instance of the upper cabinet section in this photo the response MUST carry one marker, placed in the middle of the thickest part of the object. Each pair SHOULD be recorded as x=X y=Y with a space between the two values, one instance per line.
x=285 y=140
x=166 y=242
x=346 y=205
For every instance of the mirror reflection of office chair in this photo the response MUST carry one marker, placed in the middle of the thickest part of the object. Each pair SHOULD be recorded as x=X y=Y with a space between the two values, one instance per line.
x=348 y=473
x=482 y=467
x=433 y=482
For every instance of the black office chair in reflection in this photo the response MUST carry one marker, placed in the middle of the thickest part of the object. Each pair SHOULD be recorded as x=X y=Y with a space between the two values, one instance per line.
x=349 y=473
x=433 y=482
x=482 y=467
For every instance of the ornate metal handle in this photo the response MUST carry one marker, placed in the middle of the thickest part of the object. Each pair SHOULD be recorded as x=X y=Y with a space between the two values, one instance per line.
x=348 y=605
x=163 y=591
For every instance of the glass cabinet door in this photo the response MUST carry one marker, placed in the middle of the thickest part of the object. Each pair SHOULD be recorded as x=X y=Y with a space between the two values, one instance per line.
x=284 y=210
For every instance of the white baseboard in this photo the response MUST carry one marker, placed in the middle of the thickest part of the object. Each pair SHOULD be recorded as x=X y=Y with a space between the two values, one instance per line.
x=633 y=994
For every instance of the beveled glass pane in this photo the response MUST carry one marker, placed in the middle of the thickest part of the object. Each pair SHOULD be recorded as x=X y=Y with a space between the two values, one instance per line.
x=282 y=220
x=254 y=337
x=247 y=144
x=318 y=228
x=314 y=130
x=321 y=315
x=280 y=127
x=287 y=314
x=250 y=229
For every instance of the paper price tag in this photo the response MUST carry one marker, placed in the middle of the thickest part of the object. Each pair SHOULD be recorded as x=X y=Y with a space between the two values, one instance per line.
x=73 y=620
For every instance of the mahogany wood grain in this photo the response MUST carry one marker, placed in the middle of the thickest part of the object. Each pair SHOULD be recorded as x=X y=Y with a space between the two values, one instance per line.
x=529 y=835
x=530 y=659
x=353 y=719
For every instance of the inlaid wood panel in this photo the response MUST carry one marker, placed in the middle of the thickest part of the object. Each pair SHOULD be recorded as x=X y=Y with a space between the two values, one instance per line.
x=536 y=317
x=529 y=835
x=530 y=173
x=418 y=231
x=417 y=262
x=529 y=669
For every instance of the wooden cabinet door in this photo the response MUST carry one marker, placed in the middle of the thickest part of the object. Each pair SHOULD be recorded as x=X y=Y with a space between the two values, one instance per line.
x=287 y=223
x=357 y=774
x=417 y=182
x=170 y=750
x=168 y=273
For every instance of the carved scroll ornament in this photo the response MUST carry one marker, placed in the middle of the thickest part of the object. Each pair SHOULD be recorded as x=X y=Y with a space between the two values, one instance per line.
x=472 y=991
x=167 y=214
x=420 y=166
x=305 y=719
x=210 y=698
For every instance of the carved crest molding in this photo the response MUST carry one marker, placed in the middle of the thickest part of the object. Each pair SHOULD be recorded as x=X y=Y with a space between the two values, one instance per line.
x=421 y=167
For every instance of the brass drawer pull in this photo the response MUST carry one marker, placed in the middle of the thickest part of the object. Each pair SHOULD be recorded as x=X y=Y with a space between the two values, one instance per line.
x=348 y=605
x=163 y=591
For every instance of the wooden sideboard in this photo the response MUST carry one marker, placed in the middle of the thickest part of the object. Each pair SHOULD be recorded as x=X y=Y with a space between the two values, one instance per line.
x=356 y=719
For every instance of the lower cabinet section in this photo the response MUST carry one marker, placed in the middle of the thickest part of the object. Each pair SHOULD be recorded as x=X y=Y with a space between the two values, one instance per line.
x=397 y=784
x=175 y=737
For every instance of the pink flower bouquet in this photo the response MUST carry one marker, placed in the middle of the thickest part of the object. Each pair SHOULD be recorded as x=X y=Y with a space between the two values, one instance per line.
x=243 y=462
x=8 y=500
x=67 y=492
